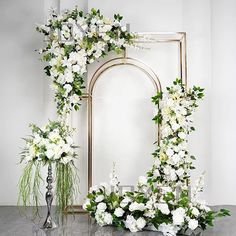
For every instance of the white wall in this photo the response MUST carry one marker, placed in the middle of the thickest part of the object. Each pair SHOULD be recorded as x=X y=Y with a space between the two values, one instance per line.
x=211 y=34
x=223 y=108
x=21 y=90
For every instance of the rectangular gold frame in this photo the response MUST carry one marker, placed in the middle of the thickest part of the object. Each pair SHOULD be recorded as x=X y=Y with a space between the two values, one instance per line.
x=145 y=37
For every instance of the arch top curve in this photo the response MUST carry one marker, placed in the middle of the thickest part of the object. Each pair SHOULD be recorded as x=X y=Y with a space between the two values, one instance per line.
x=124 y=61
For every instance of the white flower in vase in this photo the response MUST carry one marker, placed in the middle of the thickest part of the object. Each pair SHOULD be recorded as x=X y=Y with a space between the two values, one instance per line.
x=49 y=153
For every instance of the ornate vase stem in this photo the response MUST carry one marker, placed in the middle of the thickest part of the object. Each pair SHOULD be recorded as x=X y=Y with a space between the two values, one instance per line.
x=49 y=223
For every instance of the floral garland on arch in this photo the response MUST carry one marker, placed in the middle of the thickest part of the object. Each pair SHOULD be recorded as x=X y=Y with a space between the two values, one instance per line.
x=73 y=40
x=162 y=200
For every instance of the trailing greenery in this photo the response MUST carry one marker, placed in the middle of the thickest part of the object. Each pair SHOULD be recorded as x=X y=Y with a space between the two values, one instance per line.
x=29 y=186
x=66 y=190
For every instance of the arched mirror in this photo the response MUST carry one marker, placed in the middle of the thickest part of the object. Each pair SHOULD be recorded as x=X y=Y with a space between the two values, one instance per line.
x=121 y=129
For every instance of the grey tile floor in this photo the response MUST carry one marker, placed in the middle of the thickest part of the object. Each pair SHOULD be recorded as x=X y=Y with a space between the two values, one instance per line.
x=12 y=223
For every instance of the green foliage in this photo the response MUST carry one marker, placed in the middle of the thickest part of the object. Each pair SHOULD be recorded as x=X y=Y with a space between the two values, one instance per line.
x=29 y=186
x=67 y=180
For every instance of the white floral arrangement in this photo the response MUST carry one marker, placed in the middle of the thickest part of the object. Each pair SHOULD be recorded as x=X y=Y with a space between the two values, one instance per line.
x=52 y=143
x=74 y=40
x=163 y=200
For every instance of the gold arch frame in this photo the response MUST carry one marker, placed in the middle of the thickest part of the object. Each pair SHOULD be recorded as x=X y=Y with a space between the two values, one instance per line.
x=102 y=69
x=152 y=37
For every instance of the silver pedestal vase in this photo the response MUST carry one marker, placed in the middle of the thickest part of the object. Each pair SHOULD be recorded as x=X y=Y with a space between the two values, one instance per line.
x=49 y=223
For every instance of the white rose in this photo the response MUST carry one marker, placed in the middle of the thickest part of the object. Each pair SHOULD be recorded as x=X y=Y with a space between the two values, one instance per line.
x=178 y=216
x=175 y=159
x=37 y=139
x=125 y=202
x=69 y=78
x=99 y=198
x=105 y=28
x=169 y=152
x=76 y=68
x=130 y=223
x=49 y=153
x=123 y=28
x=136 y=206
x=119 y=212
x=69 y=140
x=101 y=207
x=175 y=126
x=193 y=224
x=105 y=187
x=180 y=172
x=68 y=88
x=74 y=99
x=163 y=207
x=156 y=173
x=195 y=211
x=94 y=188
x=142 y=180
x=107 y=218
x=140 y=223
x=182 y=135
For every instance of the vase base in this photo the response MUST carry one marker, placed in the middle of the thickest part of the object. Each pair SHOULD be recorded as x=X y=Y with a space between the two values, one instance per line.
x=49 y=224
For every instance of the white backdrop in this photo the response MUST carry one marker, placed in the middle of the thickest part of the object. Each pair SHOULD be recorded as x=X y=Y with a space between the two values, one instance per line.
x=211 y=37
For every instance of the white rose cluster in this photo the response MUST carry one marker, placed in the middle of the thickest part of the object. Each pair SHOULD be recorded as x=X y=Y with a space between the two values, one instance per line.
x=52 y=143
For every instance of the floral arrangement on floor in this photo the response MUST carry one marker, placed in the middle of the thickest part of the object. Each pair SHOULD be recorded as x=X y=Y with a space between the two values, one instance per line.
x=163 y=200
x=73 y=39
